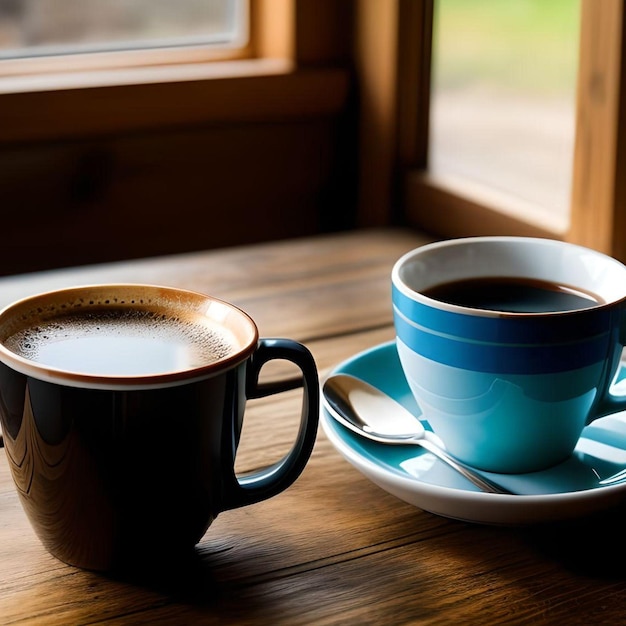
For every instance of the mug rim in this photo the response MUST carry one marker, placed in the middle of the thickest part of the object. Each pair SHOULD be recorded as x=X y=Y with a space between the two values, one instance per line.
x=71 y=378
x=400 y=284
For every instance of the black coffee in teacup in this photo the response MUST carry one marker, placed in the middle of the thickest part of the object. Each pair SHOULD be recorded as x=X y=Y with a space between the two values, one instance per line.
x=512 y=294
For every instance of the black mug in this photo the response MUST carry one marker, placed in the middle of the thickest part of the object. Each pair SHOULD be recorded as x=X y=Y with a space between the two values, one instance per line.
x=122 y=408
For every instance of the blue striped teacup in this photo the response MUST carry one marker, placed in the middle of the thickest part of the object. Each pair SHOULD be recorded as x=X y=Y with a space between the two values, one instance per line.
x=509 y=386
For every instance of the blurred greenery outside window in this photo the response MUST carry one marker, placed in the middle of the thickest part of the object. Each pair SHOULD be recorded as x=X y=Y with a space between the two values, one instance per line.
x=42 y=28
x=503 y=99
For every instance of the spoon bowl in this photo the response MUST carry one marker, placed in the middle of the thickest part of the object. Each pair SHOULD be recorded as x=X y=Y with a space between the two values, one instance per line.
x=369 y=412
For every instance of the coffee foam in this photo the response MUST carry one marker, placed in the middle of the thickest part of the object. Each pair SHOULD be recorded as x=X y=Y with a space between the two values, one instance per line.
x=204 y=343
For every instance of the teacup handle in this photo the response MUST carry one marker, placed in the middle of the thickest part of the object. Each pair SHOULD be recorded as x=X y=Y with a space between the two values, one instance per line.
x=276 y=478
x=614 y=399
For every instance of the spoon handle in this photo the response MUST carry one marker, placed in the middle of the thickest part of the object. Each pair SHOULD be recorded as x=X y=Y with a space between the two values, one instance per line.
x=484 y=484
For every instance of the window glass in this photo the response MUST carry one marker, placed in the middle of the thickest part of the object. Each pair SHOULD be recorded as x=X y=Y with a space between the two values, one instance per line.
x=46 y=27
x=503 y=97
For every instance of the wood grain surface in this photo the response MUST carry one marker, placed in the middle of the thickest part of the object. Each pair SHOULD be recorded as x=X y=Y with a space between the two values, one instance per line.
x=334 y=548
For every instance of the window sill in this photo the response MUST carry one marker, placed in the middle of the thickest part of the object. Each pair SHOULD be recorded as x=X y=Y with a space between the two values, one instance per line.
x=457 y=208
x=75 y=104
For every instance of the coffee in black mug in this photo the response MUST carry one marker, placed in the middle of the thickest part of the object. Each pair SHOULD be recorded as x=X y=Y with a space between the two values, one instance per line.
x=122 y=408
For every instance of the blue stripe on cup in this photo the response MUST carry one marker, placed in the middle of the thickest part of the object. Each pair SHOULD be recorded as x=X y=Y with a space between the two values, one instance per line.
x=503 y=358
x=523 y=328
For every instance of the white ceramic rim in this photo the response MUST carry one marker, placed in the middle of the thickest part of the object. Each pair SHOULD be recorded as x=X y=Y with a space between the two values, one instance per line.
x=613 y=265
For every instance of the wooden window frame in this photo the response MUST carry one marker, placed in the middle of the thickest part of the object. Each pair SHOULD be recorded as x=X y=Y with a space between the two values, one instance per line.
x=285 y=72
x=100 y=163
x=394 y=131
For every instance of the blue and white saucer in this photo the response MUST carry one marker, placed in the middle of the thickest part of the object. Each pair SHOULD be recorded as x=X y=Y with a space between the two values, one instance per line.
x=569 y=490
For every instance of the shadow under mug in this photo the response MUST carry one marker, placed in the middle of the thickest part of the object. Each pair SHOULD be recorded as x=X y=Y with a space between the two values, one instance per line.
x=510 y=391
x=120 y=470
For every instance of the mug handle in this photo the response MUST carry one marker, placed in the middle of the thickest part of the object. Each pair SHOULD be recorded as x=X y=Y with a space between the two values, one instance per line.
x=276 y=478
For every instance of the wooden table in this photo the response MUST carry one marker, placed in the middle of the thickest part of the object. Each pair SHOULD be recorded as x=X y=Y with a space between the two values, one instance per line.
x=334 y=548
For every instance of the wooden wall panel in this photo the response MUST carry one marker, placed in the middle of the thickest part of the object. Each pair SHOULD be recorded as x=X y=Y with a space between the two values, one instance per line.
x=147 y=194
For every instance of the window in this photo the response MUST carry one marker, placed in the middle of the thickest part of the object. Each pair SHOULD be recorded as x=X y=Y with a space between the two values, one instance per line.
x=503 y=94
x=596 y=204
x=47 y=27
x=141 y=152
x=396 y=133
x=42 y=36
x=46 y=97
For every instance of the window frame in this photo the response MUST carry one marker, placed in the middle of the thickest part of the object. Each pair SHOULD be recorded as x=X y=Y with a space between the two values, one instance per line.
x=417 y=197
x=283 y=72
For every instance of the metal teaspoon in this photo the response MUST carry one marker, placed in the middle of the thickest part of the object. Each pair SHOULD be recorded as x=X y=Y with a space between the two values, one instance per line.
x=369 y=412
